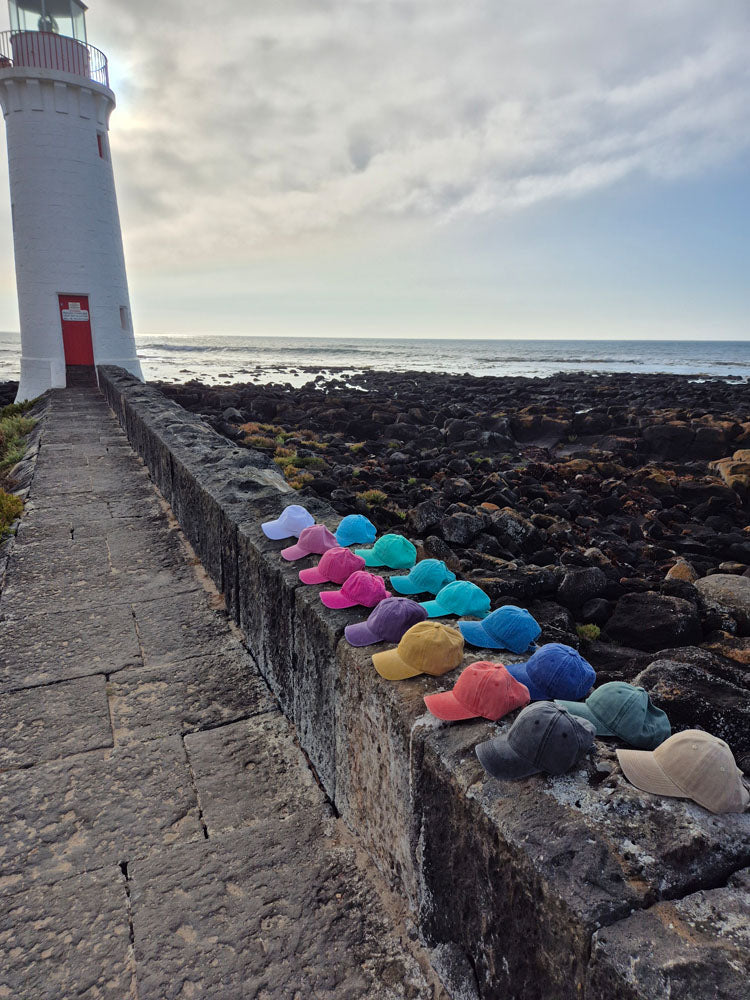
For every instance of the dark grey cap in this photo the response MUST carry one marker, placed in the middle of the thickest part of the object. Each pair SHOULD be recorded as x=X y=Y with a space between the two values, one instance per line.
x=544 y=737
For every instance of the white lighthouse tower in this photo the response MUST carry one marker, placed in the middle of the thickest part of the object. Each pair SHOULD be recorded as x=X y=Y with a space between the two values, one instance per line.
x=70 y=268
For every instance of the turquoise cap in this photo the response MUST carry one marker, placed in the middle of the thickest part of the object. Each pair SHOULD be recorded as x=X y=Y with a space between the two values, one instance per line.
x=429 y=576
x=393 y=551
x=459 y=598
x=625 y=712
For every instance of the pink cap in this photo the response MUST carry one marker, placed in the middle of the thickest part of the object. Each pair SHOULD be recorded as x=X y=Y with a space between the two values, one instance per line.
x=484 y=690
x=335 y=566
x=313 y=540
x=359 y=588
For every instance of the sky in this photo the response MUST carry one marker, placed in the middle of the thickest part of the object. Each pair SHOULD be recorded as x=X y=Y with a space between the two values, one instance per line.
x=488 y=168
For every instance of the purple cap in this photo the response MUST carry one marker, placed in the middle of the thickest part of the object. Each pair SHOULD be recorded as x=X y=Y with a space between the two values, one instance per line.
x=316 y=539
x=387 y=623
x=360 y=588
x=335 y=566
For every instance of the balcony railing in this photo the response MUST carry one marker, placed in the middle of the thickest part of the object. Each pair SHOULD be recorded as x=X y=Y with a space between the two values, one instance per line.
x=45 y=50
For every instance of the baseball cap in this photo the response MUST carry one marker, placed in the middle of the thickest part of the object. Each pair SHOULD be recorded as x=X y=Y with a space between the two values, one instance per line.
x=428 y=577
x=390 y=550
x=291 y=522
x=459 y=598
x=484 y=690
x=507 y=628
x=426 y=648
x=621 y=710
x=359 y=588
x=555 y=671
x=335 y=566
x=356 y=529
x=689 y=765
x=544 y=737
x=387 y=622
x=313 y=540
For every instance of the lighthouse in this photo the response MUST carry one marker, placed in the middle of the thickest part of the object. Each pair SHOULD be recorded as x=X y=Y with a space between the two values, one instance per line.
x=73 y=298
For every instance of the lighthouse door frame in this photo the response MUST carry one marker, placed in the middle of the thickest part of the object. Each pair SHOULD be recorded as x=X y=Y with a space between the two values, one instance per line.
x=75 y=328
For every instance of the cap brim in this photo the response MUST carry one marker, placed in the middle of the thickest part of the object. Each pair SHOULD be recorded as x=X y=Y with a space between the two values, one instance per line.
x=390 y=666
x=519 y=672
x=500 y=761
x=336 y=600
x=369 y=557
x=475 y=635
x=582 y=710
x=434 y=609
x=641 y=769
x=404 y=585
x=276 y=531
x=313 y=575
x=361 y=635
x=295 y=552
x=447 y=707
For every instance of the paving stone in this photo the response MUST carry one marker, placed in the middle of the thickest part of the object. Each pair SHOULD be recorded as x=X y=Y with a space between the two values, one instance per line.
x=177 y=626
x=205 y=691
x=94 y=809
x=68 y=940
x=279 y=914
x=40 y=648
x=250 y=773
x=45 y=723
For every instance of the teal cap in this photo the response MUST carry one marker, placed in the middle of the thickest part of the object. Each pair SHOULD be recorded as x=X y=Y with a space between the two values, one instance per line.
x=429 y=576
x=459 y=598
x=393 y=551
x=625 y=712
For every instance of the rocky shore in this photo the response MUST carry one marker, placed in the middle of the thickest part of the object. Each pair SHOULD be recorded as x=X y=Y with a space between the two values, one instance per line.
x=615 y=508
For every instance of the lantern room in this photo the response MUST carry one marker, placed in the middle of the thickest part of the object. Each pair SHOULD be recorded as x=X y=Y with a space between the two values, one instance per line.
x=58 y=17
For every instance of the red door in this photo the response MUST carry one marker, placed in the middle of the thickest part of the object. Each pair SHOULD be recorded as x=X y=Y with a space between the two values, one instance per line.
x=76 y=329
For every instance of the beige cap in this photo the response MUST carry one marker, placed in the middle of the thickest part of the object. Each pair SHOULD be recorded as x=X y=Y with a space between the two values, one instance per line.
x=689 y=765
x=426 y=648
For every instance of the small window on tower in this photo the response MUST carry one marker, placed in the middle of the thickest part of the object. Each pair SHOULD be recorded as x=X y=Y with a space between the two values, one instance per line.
x=124 y=318
x=101 y=140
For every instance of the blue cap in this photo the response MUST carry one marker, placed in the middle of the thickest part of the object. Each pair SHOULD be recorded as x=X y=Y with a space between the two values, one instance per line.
x=507 y=628
x=429 y=576
x=356 y=529
x=555 y=671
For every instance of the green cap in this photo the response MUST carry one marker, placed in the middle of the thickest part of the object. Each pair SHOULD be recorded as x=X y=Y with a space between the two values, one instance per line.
x=625 y=712
x=394 y=551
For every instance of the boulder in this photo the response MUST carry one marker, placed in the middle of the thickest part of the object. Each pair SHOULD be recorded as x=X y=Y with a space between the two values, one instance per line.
x=682 y=570
x=581 y=585
x=652 y=621
x=731 y=593
x=461 y=529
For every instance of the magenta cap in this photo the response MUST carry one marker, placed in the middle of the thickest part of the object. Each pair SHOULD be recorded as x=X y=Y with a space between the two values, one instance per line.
x=335 y=566
x=360 y=588
x=312 y=541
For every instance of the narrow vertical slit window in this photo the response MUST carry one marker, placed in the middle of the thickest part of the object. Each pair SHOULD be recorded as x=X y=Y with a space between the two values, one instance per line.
x=101 y=141
x=124 y=318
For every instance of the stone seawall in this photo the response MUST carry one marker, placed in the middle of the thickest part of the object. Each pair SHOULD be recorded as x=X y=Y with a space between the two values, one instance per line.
x=569 y=887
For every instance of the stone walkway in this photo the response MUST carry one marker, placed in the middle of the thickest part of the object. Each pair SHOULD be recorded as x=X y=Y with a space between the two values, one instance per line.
x=162 y=835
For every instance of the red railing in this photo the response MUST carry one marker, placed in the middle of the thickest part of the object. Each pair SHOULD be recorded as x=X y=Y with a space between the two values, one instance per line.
x=45 y=50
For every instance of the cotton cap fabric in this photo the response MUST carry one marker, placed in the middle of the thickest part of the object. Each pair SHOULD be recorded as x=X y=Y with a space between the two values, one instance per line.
x=393 y=551
x=544 y=737
x=314 y=540
x=335 y=566
x=387 y=622
x=427 y=648
x=689 y=765
x=429 y=576
x=625 y=712
x=289 y=524
x=507 y=628
x=356 y=529
x=359 y=588
x=555 y=671
x=459 y=598
x=484 y=690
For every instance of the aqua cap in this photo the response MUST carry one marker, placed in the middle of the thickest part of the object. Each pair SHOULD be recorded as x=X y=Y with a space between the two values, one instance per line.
x=394 y=551
x=507 y=628
x=625 y=712
x=429 y=576
x=356 y=529
x=459 y=598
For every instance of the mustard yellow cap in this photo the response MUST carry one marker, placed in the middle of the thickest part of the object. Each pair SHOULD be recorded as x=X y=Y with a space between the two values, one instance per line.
x=426 y=648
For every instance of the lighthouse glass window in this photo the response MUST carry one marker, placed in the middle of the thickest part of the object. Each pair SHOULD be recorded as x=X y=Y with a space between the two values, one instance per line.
x=60 y=17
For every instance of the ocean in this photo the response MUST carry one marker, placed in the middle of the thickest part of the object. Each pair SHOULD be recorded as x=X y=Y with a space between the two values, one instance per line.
x=222 y=359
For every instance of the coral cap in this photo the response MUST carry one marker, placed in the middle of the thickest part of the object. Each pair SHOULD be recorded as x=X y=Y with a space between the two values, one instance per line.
x=484 y=690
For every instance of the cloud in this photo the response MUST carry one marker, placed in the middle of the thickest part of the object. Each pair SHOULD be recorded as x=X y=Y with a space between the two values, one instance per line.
x=244 y=127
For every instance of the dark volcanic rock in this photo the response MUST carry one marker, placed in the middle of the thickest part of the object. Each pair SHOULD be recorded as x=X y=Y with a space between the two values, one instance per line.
x=652 y=621
x=581 y=585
